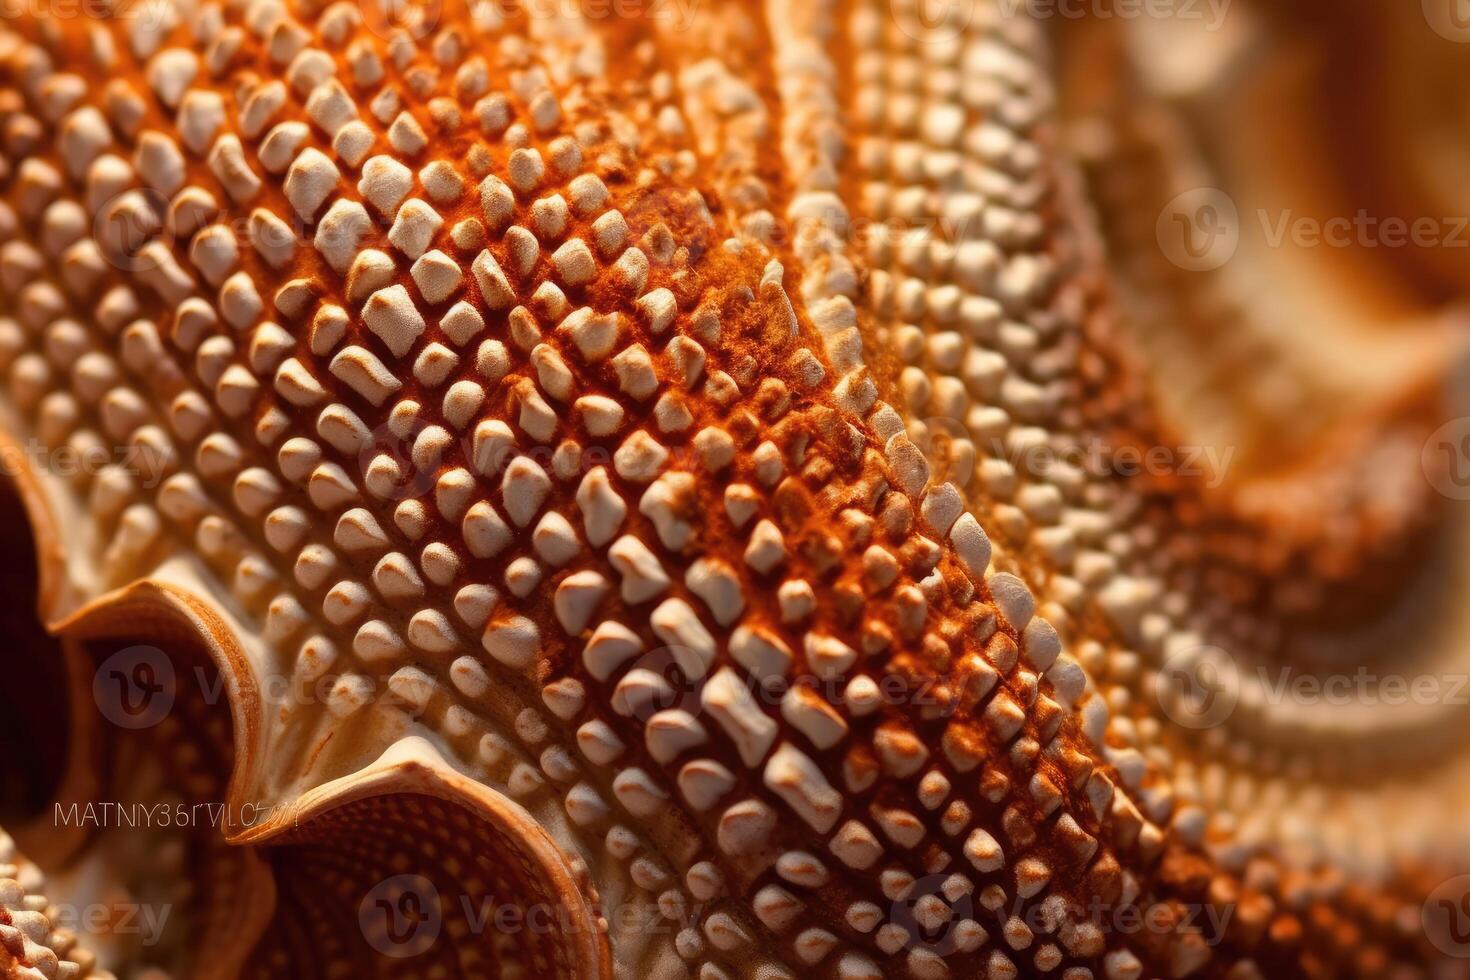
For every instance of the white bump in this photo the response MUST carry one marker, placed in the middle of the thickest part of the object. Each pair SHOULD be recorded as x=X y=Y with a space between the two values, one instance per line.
x=514 y=642
x=310 y=181
x=391 y=314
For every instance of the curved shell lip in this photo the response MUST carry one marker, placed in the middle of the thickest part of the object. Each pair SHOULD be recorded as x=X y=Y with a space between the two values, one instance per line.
x=98 y=619
x=108 y=615
x=78 y=778
x=46 y=533
x=409 y=766
x=413 y=766
x=71 y=618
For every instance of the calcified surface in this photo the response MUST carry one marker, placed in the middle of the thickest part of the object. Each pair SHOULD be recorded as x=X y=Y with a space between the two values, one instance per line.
x=647 y=464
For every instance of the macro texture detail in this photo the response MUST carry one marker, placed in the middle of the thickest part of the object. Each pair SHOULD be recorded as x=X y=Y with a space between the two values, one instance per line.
x=638 y=473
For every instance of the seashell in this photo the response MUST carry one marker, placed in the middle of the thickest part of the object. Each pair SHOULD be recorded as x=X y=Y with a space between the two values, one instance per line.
x=524 y=492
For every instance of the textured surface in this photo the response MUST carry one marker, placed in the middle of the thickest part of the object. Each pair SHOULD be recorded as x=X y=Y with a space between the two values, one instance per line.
x=643 y=464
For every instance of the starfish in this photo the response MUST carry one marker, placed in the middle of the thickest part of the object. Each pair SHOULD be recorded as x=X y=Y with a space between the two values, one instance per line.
x=687 y=492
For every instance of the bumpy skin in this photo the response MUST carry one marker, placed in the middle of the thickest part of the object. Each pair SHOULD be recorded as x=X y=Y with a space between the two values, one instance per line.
x=545 y=425
x=29 y=947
